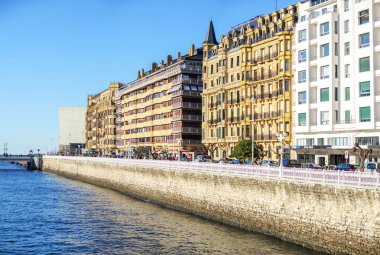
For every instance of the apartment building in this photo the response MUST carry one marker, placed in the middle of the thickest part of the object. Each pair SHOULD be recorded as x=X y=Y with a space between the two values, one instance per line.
x=100 y=122
x=247 y=80
x=159 y=114
x=336 y=92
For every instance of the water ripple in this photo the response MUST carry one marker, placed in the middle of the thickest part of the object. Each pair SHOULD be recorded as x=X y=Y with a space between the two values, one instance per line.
x=42 y=213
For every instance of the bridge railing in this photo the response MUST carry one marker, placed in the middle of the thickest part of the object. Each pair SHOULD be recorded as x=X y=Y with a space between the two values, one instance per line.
x=332 y=177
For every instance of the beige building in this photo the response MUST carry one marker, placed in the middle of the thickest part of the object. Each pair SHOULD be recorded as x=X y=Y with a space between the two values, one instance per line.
x=159 y=114
x=71 y=122
x=101 y=122
x=247 y=79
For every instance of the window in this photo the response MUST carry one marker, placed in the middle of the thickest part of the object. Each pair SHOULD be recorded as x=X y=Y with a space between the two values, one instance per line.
x=336 y=27
x=336 y=71
x=325 y=28
x=302 y=35
x=302 y=76
x=336 y=49
x=302 y=97
x=346 y=8
x=325 y=50
x=324 y=11
x=347 y=117
x=364 y=89
x=324 y=94
x=325 y=72
x=320 y=141
x=287 y=65
x=336 y=98
x=373 y=140
x=346 y=26
x=231 y=63
x=347 y=70
x=337 y=141
x=365 y=114
x=347 y=48
x=364 y=64
x=303 y=18
x=363 y=17
x=237 y=60
x=301 y=119
x=305 y=141
x=325 y=118
x=301 y=56
x=347 y=94
x=364 y=40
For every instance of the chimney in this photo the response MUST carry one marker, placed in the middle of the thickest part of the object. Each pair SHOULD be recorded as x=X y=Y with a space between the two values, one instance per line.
x=179 y=55
x=162 y=62
x=154 y=66
x=138 y=75
x=142 y=72
x=169 y=60
x=192 y=50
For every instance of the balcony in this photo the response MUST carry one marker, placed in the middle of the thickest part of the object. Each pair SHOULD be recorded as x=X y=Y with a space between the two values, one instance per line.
x=233 y=119
x=270 y=137
x=188 y=117
x=185 y=141
x=187 y=130
x=192 y=81
x=191 y=69
x=377 y=72
x=232 y=139
x=210 y=140
x=187 y=105
x=377 y=46
x=377 y=23
x=186 y=93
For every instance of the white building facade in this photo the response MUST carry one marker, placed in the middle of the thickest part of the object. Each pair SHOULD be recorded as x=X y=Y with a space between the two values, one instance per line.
x=71 y=122
x=336 y=90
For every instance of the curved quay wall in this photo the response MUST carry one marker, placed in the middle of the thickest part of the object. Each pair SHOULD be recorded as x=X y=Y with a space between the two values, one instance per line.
x=333 y=219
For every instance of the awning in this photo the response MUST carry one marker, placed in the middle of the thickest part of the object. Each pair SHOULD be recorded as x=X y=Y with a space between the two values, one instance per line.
x=173 y=89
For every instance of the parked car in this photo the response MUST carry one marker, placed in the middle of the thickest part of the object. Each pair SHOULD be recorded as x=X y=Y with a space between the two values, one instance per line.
x=269 y=163
x=234 y=161
x=311 y=166
x=346 y=167
x=370 y=166
x=290 y=163
x=202 y=158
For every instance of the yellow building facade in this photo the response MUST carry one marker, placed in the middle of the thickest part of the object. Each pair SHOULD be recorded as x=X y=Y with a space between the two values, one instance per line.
x=159 y=114
x=247 y=79
x=101 y=122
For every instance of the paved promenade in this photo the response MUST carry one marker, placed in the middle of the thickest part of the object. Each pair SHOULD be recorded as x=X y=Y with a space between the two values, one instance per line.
x=332 y=177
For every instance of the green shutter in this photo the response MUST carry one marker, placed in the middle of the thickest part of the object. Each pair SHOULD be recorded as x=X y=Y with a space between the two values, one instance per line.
x=324 y=94
x=365 y=114
x=364 y=88
x=301 y=119
x=364 y=64
x=347 y=116
x=347 y=95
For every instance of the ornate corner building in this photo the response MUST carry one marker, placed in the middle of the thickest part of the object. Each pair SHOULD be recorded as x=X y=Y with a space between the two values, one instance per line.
x=247 y=79
x=159 y=113
x=101 y=123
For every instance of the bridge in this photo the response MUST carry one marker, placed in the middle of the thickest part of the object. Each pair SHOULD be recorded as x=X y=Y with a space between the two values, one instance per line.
x=32 y=162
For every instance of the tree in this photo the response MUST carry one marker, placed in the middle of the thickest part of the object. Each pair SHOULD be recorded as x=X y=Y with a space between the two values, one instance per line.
x=243 y=150
x=363 y=155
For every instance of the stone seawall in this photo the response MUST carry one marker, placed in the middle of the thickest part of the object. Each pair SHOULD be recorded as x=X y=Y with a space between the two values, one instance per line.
x=337 y=220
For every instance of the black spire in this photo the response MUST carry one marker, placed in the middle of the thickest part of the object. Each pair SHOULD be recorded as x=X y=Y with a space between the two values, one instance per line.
x=210 y=36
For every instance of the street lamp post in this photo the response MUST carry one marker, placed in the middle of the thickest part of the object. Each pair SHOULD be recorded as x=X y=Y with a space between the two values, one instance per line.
x=281 y=136
x=253 y=131
x=129 y=150
x=179 y=141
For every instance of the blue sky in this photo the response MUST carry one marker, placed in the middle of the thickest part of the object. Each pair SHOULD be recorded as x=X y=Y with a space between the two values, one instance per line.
x=55 y=52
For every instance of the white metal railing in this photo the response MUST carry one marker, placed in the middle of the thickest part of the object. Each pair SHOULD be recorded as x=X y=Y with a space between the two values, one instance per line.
x=331 y=177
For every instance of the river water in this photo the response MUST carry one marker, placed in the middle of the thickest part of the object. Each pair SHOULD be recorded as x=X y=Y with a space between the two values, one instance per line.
x=42 y=213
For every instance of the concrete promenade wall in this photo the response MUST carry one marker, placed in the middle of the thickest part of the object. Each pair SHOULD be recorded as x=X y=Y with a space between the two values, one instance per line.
x=333 y=219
